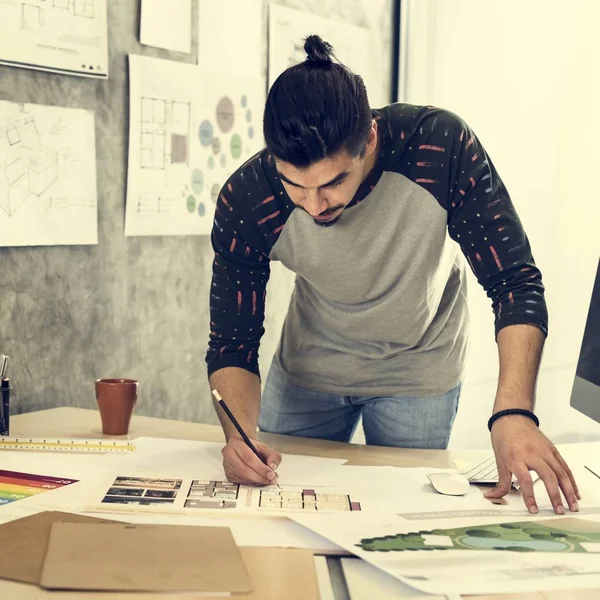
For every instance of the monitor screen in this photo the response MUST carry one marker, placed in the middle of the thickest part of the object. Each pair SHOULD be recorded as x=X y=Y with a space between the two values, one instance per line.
x=586 y=388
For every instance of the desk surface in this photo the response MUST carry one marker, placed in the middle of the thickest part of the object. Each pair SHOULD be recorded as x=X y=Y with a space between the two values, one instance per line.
x=271 y=569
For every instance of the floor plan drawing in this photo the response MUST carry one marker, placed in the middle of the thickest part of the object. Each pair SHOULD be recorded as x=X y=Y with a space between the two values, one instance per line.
x=47 y=175
x=165 y=131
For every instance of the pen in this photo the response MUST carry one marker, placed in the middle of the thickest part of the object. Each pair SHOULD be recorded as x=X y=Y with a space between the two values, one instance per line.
x=235 y=423
x=5 y=389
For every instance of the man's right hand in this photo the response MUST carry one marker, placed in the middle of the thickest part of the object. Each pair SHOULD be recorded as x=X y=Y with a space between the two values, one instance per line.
x=243 y=466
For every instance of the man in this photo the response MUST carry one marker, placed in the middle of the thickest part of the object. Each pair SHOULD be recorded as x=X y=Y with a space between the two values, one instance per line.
x=358 y=203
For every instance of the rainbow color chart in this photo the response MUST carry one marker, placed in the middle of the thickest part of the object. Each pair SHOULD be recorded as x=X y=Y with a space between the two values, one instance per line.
x=18 y=486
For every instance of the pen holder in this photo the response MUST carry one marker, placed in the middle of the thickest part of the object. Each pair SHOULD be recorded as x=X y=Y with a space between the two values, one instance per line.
x=116 y=400
x=5 y=393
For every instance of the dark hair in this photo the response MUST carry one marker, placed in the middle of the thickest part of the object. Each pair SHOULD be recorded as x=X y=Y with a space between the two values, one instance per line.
x=316 y=109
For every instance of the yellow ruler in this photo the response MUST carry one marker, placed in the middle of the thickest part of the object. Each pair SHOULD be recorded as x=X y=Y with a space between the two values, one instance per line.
x=65 y=445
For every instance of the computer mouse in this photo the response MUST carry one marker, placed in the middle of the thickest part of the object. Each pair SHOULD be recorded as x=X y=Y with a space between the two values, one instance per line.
x=449 y=484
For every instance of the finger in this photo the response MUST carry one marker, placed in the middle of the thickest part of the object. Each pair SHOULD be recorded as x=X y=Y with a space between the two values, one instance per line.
x=564 y=483
x=550 y=480
x=504 y=483
x=238 y=471
x=272 y=457
x=526 y=486
x=570 y=475
x=252 y=461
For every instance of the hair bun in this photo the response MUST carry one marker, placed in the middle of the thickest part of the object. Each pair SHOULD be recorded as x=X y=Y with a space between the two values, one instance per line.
x=317 y=50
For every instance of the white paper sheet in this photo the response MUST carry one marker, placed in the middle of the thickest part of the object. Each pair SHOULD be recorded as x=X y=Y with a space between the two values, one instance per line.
x=47 y=175
x=230 y=37
x=366 y=582
x=288 y=27
x=189 y=131
x=62 y=36
x=167 y=24
x=454 y=571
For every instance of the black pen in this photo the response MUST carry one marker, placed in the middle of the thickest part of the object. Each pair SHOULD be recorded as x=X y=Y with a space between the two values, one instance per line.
x=246 y=439
x=5 y=389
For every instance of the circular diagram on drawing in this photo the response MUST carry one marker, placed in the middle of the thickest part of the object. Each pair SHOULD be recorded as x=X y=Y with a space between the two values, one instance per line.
x=201 y=209
x=197 y=181
x=251 y=132
x=223 y=160
x=248 y=115
x=214 y=192
x=211 y=162
x=225 y=114
x=216 y=145
x=244 y=101
x=205 y=133
x=191 y=204
x=236 y=146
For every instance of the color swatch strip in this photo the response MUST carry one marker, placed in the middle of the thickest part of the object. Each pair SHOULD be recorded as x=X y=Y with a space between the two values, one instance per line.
x=18 y=486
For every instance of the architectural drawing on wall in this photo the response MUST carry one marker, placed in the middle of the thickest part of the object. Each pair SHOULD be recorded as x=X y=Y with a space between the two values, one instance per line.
x=47 y=175
x=65 y=36
x=27 y=166
x=165 y=133
x=189 y=131
x=288 y=27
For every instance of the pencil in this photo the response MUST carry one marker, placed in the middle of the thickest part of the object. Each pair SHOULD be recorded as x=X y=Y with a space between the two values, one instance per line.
x=235 y=423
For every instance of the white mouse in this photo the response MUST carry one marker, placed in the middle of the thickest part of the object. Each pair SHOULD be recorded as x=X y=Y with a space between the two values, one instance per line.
x=449 y=484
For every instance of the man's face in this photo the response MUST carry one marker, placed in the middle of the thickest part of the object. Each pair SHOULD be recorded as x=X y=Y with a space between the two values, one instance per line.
x=325 y=188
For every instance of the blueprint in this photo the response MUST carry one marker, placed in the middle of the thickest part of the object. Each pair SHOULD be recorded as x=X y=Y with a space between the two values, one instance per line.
x=47 y=176
x=62 y=36
x=288 y=27
x=189 y=131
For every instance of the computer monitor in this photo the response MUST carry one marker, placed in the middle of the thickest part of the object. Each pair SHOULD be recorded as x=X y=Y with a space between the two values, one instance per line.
x=585 y=396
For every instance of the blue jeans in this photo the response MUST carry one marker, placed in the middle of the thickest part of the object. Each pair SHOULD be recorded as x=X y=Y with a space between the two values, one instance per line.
x=400 y=421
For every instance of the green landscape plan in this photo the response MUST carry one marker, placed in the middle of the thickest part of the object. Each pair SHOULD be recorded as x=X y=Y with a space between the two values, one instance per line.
x=568 y=535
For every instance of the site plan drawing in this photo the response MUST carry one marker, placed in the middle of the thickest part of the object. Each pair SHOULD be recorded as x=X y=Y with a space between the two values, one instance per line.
x=189 y=131
x=61 y=36
x=480 y=555
x=47 y=176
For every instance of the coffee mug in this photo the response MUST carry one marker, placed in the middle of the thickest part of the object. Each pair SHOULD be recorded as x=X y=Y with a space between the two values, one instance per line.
x=116 y=400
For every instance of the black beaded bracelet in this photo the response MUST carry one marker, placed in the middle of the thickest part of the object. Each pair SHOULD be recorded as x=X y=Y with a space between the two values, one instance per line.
x=512 y=411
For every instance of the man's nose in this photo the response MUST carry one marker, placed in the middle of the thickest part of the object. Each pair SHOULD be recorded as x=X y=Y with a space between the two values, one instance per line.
x=314 y=203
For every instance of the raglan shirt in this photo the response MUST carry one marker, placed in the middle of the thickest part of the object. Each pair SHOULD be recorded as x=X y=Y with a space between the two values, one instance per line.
x=379 y=305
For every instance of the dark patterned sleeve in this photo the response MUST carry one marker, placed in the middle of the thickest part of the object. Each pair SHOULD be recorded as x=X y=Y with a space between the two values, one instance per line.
x=237 y=293
x=483 y=220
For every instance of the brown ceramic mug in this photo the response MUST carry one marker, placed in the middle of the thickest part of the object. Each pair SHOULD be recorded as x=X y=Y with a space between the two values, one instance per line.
x=116 y=399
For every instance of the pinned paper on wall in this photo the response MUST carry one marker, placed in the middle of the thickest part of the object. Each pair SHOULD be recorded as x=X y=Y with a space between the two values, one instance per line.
x=48 y=190
x=167 y=25
x=230 y=36
x=189 y=131
x=288 y=27
x=61 y=36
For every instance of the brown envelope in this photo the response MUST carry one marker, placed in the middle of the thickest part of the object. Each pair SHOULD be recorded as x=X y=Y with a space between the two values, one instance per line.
x=152 y=558
x=27 y=539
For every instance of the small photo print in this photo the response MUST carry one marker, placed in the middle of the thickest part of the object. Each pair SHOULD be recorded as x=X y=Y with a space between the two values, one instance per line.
x=136 y=501
x=148 y=482
x=123 y=491
x=160 y=494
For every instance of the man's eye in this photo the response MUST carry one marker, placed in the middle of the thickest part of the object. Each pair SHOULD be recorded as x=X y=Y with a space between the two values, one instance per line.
x=337 y=183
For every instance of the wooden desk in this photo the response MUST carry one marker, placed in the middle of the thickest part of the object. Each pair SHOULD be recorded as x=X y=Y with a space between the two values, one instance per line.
x=277 y=573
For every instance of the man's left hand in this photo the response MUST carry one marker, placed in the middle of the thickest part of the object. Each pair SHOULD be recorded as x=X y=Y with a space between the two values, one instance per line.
x=521 y=447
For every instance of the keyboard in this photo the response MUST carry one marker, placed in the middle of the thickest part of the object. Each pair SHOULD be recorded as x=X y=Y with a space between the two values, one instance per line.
x=483 y=472
x=486 y=471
